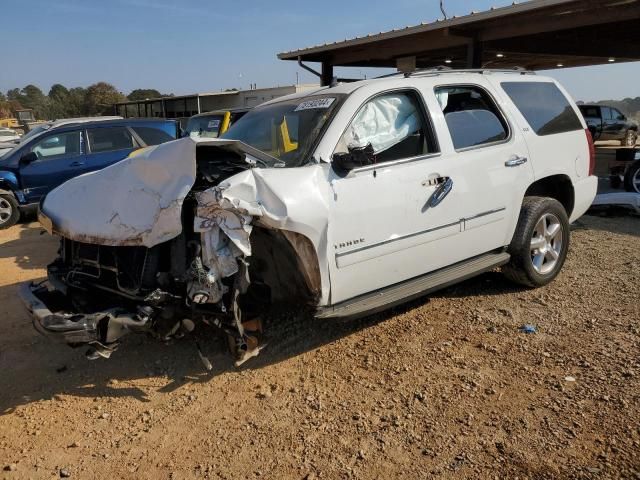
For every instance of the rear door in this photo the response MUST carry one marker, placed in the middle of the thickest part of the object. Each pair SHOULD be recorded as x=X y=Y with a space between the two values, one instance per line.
x=60 y=156
x=107 y=145
x=490 y=157
x=609 y=125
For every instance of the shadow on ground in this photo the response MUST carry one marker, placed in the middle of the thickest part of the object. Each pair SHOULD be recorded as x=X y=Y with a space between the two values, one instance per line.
x=607 y=219
x=31 y=238
x=38 y=369
x=34 y=368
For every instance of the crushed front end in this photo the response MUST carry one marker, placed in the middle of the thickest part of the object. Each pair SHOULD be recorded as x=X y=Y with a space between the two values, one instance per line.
x=158 y=247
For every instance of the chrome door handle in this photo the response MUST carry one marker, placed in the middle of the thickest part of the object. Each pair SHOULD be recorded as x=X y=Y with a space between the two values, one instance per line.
x=442 y=191
x=516 y=161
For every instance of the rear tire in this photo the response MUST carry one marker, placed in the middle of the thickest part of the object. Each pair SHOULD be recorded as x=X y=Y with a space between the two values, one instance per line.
x=9 y=211
x=632 y=178
x=540 y=243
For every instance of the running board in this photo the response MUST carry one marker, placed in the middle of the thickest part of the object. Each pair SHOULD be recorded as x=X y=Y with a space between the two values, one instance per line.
x=402 y=292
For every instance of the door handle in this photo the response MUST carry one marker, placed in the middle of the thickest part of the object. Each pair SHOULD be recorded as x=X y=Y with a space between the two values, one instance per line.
x=76 y=164
x=516 y=161
x=441 y=192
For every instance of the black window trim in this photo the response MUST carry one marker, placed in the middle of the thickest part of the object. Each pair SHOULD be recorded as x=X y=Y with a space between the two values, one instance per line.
x=504 y=118
x=426 y=117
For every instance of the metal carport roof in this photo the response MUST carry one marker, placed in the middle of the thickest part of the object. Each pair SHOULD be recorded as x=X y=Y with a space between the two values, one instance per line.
x=536 y=35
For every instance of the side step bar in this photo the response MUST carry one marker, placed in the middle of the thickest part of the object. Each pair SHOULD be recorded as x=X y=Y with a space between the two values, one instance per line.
x=402 y=292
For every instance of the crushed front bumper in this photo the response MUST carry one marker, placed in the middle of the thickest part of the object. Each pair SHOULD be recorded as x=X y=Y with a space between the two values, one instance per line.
x=71 y=328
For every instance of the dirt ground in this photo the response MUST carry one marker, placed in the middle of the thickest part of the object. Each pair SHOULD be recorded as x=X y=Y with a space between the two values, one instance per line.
x=446 y=386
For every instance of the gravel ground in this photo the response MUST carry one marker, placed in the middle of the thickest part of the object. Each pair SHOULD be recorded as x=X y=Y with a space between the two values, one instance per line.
x=446 y=386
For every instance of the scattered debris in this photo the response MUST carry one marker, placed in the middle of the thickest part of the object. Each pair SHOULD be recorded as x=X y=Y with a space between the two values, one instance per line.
x=528 y=329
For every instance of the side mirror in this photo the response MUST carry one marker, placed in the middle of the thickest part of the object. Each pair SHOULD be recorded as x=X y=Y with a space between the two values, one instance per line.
x=343 y=163
x=28 y=158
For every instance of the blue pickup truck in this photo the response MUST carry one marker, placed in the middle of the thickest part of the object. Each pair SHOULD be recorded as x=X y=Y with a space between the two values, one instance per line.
x=56 y=152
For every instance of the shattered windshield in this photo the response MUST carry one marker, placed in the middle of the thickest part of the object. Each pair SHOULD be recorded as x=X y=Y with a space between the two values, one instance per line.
x=286 y=130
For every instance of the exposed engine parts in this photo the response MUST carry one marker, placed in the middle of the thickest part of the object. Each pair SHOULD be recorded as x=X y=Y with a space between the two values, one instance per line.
x=219 y=265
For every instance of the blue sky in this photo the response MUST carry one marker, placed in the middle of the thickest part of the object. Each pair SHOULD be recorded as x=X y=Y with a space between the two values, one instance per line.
x=185 y=46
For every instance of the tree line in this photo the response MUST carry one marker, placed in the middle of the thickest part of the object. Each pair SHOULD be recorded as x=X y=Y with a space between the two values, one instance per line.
x=63 y=102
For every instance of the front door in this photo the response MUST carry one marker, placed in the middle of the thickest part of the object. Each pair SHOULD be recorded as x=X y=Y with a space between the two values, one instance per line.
x=420 y=207
x=60 y=156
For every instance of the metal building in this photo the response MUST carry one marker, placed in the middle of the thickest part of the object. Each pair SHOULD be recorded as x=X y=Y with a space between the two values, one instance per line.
x=184 y=106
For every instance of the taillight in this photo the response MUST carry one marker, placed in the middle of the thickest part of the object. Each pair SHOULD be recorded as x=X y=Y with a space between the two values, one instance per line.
x=592 y=153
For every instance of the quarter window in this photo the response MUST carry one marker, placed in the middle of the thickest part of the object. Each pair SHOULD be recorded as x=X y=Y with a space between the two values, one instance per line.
x=471 y=115
x=545 y=107
x=58 y=145
x=110 y=139
x=152 y=136
x=392 y=125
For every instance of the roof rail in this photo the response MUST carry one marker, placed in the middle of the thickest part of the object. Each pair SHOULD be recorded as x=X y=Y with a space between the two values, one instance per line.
x=445 y=69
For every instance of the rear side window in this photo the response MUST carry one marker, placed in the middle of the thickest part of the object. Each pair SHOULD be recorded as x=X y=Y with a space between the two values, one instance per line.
x=109 y=139
x=544 y=107
x=152 y=136
x=590 y=112
x=471 y=115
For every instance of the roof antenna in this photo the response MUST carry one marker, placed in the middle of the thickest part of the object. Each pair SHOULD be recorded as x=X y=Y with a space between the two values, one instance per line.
x=442 y=9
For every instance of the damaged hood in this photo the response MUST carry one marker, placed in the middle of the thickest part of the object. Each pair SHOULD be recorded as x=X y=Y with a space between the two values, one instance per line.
x=137 y=201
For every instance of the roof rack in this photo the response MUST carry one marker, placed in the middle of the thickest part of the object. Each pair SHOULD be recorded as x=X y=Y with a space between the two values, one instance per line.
x=445 y=69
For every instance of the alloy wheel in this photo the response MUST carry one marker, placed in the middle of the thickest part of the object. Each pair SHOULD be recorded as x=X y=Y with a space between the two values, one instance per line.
x=635 y=181
x=6 y=210
x=546 y=244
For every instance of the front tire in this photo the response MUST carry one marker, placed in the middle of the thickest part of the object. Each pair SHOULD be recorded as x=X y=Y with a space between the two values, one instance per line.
x=632 y=178
x=540 y=243
x=630 y=139
x=9 y=212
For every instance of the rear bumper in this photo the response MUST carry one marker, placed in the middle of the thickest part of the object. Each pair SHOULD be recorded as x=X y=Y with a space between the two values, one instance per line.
x=584 y=193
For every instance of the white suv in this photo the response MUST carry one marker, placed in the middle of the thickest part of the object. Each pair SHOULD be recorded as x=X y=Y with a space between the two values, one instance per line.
x=351 y=199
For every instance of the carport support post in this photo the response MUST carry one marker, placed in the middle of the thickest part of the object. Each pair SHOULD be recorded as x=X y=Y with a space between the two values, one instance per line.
x=327 y=74
x=475 y=49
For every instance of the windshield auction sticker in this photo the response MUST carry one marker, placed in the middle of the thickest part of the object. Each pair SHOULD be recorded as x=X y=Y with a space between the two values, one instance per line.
x=315 y=104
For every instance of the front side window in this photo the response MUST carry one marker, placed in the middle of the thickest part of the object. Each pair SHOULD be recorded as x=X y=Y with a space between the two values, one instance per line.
x=392 y=126
x=606 y=113
x=472 y=116
x=286 y=130
x=544 y=106
x=109 y=139
x=57 y=145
